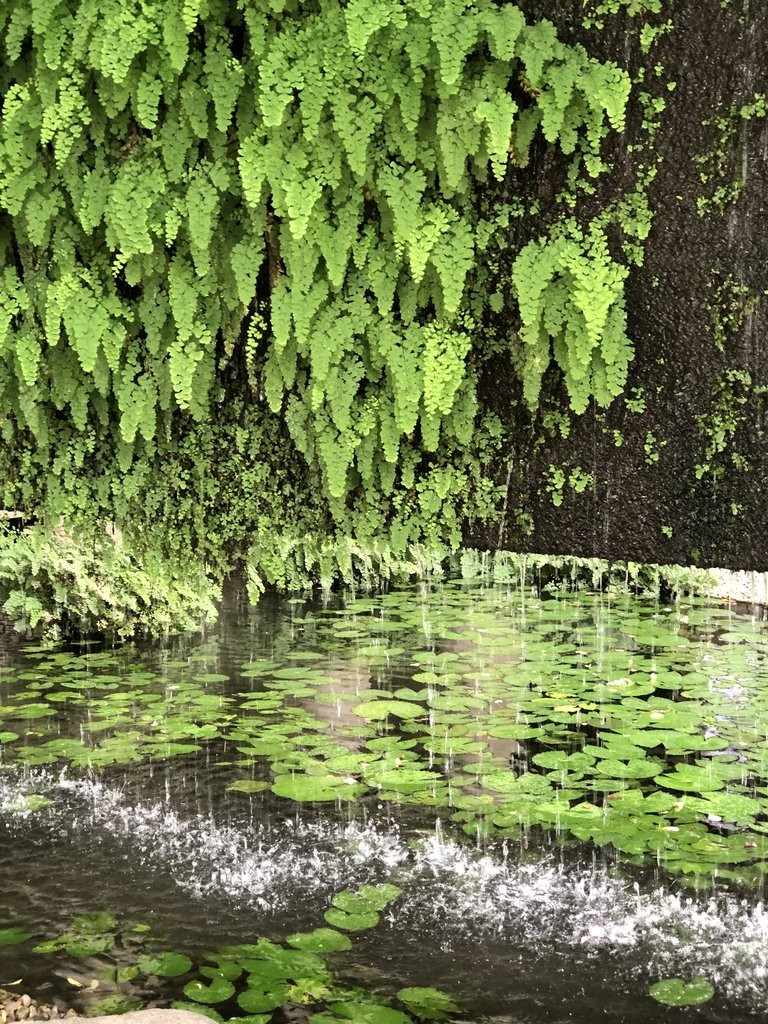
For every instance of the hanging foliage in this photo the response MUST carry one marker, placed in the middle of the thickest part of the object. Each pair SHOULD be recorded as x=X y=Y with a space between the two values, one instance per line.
x=188 y=185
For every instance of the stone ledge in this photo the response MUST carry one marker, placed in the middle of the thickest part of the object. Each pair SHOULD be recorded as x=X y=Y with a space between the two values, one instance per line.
x=745 y=587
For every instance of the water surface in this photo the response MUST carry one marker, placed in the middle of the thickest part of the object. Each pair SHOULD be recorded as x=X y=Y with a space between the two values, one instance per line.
x=570 y=791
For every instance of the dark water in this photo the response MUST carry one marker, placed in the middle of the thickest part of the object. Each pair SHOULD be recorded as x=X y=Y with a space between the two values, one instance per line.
x=517 y=925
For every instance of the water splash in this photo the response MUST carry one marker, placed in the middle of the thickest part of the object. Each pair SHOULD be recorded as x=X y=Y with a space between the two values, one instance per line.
x=453 y=896
x=472 y=895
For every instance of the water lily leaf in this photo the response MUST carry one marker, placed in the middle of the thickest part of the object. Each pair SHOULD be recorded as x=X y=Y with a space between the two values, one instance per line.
x=219 y=990
x=378 y=710
x=96 y=923
x=256 y=1000
x=393 y=745
x=730 y=807
x=264 y=748
x=247 y=786
x=13 y=936
x=264 y=974
x=27 y=803
x=311 y=788
x=515 y=731
x=27 y=712
x=401 y=780
x=88 y=945
x=111 y=1005
x=527 y=784
x=380 y=895
x=559 y=759
x=690 y=779
x=321 y=940
x=350 y=762
x=165 y=965
x=640 y=769
x=225 y=969
x=351 y=922
x=677 y=992
x=673 y=741
x=366 y=1013
x=430 y=1003
x=290 y=963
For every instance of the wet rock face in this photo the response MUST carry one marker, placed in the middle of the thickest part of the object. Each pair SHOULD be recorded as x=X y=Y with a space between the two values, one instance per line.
x=678 y=464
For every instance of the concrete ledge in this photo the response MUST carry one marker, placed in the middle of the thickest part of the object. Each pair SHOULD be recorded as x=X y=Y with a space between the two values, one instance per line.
x=746 y=587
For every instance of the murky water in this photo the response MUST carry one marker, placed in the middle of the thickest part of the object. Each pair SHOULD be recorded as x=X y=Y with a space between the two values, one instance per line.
x=227 y=788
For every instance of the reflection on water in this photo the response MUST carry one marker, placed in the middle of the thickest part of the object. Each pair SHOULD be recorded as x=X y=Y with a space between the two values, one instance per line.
x=639 y=734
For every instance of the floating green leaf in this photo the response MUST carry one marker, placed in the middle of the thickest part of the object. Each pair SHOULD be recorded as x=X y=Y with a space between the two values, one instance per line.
x=677 y=992
x=321 y=940
x=247 y=786
x=430 y=1003
x=218 y=991
x=13 y=936
x=378 y=710
x=690 y=779
x=314 y=788
x=261 y=1000
x=165 y=965
x=352 y=922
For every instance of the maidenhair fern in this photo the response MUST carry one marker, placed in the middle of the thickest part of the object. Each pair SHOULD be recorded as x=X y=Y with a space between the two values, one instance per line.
x=571 y=297
x=293 y=184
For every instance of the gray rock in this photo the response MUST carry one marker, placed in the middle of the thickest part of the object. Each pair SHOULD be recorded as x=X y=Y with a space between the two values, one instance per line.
x=153 y=1016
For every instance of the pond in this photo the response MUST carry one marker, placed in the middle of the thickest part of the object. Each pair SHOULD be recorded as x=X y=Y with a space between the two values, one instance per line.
x=450 y=801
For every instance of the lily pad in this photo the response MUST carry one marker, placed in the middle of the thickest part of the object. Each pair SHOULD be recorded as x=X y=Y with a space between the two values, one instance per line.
x=355 y=922
x=261 y=1000
x=13 y=936
x=677 y=992
x=27 y=803
x=690 y=779
x=218 y=991
x=96 y=923
x=366 y=1013
x=247 y=786
x=378 y=710
x=321 y=940
x=111 y=1005
x=315 y=788
x=429 y=1003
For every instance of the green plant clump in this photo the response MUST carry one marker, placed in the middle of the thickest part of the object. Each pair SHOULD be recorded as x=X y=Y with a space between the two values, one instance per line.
x=245 y=231
x=51 y=581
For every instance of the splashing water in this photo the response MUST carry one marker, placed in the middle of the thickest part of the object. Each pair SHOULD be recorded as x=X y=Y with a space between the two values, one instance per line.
x=453 y=895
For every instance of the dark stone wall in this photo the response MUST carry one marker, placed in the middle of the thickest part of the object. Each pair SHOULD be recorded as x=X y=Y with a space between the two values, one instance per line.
x=698 y=314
